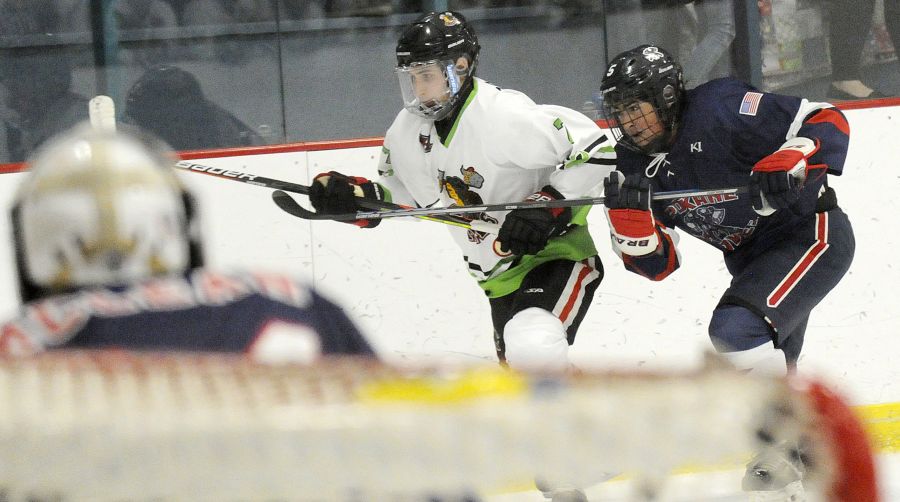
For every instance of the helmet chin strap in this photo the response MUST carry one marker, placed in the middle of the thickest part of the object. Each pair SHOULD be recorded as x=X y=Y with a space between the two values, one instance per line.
x=455 y=103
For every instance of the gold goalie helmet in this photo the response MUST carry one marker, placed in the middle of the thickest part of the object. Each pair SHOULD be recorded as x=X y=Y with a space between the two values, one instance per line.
x=101 y=208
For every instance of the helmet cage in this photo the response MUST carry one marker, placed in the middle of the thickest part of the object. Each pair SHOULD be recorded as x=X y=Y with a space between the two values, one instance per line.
x=621 y=108
x=430 y=89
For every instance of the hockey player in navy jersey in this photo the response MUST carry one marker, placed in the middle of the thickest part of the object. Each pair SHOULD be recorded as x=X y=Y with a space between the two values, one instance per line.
x=786 y=242
x=108 y=256
x=460 y=140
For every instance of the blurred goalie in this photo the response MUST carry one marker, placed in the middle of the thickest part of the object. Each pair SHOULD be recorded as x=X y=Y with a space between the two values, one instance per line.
x=108 y=255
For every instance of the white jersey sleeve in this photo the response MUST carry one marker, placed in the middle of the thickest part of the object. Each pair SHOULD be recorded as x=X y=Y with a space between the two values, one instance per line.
x=532 y=136
x=591 y=159
x=387 y=179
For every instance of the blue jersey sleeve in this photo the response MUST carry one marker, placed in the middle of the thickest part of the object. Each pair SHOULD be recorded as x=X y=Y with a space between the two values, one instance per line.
x=658 y=265
x=829 y=129
x=760 y=123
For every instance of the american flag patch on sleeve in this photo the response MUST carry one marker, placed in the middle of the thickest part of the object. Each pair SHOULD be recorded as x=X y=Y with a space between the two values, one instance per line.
x=750 y=103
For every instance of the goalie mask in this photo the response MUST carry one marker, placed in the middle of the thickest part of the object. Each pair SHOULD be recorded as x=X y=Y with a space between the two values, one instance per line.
x=100 y=208
x=432 y=77
x=643 y=94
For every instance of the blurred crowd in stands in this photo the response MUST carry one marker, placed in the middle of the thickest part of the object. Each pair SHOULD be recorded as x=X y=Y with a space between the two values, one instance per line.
x=173 y=50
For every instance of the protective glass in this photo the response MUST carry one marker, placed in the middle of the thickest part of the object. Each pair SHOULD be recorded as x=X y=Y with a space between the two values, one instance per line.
x=428 y=88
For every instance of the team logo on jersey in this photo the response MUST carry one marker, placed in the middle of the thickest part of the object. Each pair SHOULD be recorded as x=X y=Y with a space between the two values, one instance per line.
x=499 y=252
x=449 y=19
x=471 y=177
x=704 y=219
x=386 y=169
x=458 y=190
x=425 y=141
x=750 y=103
x=652 y=54
x=685 y=204
x=476 y=236
x=696 y=147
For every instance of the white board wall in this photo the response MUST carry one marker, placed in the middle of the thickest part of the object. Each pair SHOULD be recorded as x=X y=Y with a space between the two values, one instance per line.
x=405 y=284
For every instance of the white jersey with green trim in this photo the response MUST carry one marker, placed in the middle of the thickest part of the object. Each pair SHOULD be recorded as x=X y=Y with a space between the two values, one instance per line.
x=502 y=147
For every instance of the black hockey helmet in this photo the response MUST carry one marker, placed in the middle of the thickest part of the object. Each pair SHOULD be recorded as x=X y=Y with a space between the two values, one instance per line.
x=438 y=38
x=648 y=74
x=438 y=35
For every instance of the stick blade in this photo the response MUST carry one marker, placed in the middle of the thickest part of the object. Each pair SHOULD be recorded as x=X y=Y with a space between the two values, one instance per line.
x=287 y=204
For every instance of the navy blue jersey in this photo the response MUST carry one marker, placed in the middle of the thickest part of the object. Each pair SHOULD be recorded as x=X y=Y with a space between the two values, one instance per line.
x=266 y=315
x=727 y=127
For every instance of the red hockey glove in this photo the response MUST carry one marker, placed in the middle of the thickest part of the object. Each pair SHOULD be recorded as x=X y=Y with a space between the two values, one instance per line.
x=526 y=231
x=776 y=180
x=335 y=193
x=631 y=221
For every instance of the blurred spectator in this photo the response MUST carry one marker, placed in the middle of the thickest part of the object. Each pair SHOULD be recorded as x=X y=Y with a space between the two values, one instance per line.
x=709 y=58
x=210 y=18
x=169 y=102
x=129 y=15
x=38 y=97
x=707 y=24
x=28 y=17
x=356 y=8
x=301 y=9
x=850 y=28
x=200 y=12
x=892 y=23
x=132 y=14
x=143 y=14
x=108 y=255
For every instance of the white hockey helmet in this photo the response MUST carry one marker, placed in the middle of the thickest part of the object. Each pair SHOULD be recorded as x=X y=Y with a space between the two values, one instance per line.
x=101 y=208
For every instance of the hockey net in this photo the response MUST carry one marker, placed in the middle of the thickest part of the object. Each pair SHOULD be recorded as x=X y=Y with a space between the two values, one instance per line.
x=114 y=426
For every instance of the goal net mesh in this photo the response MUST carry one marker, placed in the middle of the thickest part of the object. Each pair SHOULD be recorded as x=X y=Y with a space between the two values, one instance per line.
x=114 y=426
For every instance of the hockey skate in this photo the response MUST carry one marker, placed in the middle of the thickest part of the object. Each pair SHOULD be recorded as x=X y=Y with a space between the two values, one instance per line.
x=776 y=474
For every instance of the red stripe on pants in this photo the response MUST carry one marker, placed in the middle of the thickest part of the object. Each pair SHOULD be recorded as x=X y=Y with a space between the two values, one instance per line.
x=806 y=262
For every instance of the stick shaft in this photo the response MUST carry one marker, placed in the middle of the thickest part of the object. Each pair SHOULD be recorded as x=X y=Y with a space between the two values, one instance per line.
x=509 y=206
x=252 y=179
x=286 y=186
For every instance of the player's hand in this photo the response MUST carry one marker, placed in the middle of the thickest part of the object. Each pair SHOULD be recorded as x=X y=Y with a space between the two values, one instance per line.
x=526 y=231
x=776 y=180
x=631 y=222
x=335 y=193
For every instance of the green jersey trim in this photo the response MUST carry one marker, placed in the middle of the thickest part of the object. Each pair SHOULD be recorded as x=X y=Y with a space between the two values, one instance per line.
x=465 y=105
x=575 y=245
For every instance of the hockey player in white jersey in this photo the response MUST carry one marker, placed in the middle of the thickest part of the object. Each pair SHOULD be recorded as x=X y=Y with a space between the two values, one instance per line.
x=460 y=140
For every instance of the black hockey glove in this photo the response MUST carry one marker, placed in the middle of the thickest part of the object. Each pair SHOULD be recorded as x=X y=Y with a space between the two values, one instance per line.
x=526 y=231
x=776 y=180
x=335 y=193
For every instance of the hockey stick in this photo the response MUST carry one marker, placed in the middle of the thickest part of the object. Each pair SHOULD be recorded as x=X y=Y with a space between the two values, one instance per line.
x=286 y=186
x=102 y=113
x=289 y=205
x=252 y=179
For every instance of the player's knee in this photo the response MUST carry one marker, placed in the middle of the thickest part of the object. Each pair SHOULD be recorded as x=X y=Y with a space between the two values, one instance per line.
x=733 y=328
x=745 y=340
x=536 y=339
